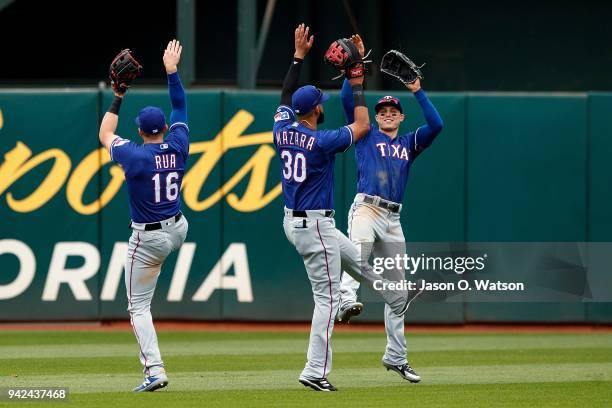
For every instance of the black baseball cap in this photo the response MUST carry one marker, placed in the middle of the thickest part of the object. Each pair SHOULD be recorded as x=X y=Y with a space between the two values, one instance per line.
x=388 y=101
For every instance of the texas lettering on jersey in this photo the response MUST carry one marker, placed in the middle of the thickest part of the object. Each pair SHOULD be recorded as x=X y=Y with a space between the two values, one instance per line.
x=393 y=151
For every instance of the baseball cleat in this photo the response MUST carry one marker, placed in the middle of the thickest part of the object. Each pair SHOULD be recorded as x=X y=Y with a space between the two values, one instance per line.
x=412 y=294
x=405 y=371
x=345 y=313
x=318 y=385
x=152 y=383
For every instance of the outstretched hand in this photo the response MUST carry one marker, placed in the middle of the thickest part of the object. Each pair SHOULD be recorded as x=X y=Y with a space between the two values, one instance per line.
x=303 y=43
x=356 y=39
x=172 y=56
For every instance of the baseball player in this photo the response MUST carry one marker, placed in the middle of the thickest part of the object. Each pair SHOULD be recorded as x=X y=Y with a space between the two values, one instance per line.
x=307 y=164
x=153 y=172
x=383 y=163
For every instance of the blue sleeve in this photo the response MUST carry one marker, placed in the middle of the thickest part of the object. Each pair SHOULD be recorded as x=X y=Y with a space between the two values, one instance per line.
x=122 y=151
x=283 y=115
x=178 y=134
x=177 y=99
x=425 y=135
x=335 y=141
x=346 y=95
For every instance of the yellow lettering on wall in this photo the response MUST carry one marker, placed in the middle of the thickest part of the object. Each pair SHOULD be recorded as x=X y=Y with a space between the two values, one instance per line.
x=17 y=162
x=231 y=137
x=1 y=119
x=82 y=176
x=254 y=197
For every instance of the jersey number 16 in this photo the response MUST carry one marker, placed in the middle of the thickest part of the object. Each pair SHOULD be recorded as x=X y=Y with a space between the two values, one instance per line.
x=172 y=188
x=294 y=166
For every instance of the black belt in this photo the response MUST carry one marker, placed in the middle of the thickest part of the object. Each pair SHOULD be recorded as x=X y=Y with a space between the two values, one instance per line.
x=303 y=214
x=157 y=225
x=387 y=205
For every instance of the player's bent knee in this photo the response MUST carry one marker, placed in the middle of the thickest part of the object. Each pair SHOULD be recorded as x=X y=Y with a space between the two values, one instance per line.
x=141 y=311
x=139 y=307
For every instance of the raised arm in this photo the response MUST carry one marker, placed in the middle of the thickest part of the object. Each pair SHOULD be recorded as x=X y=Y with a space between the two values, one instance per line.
x=361 y=124
x=360 y=118
x=172 y=57
x=303 y=43
x=425 y=134
x=346 y=96
x=346 y=93
x=110 y=121
x=123 y=70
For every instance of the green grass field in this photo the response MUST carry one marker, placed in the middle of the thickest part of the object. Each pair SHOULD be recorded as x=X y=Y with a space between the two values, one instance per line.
x=261 y=369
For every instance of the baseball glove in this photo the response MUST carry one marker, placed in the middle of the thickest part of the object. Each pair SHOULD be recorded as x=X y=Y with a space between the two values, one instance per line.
x=343 y=55
x=123 y=70
x=398 y=65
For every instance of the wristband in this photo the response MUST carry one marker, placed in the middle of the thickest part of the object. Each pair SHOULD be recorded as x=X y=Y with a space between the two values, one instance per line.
x=358 y=96
x=114 y=108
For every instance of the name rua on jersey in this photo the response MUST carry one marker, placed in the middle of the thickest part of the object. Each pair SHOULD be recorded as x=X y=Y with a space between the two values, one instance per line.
x=291 y=138
x=165 y=161
x=396 y=151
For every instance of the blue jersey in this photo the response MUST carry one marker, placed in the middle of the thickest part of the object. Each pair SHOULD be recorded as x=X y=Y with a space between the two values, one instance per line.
x=307 y=161
x=383 y=164
x=154 y=173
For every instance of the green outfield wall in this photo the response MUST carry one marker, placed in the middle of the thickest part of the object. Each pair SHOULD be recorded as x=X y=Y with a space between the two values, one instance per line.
x=506 y=168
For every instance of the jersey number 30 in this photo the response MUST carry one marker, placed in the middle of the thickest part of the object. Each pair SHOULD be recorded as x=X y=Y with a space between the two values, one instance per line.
x=172 y=188
x=294 y=166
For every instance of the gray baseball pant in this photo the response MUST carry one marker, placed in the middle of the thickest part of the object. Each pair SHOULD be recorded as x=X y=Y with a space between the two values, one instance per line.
x=147 y=251
x=366 y=224
x=325 y=250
